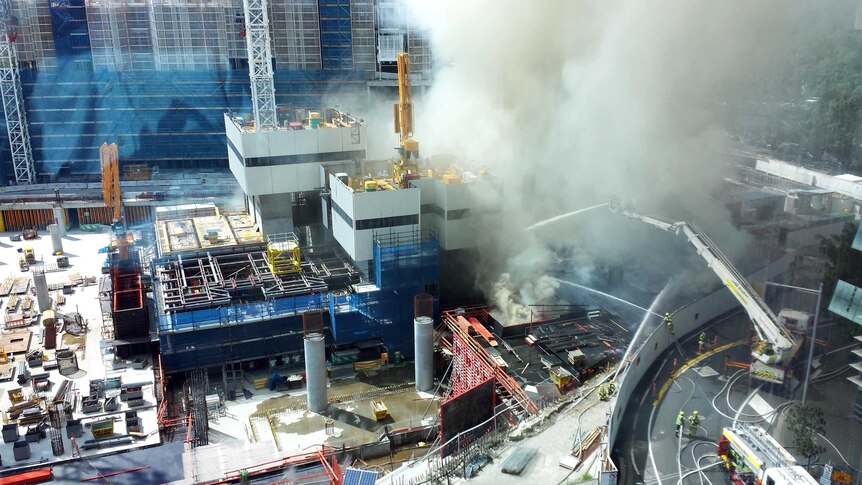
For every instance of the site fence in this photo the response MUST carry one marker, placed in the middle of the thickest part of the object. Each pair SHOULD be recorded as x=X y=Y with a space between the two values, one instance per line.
x=240 y=314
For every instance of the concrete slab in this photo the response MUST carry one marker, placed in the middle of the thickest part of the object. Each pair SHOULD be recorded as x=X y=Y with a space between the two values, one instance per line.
x=85 y=260
x=705 y=371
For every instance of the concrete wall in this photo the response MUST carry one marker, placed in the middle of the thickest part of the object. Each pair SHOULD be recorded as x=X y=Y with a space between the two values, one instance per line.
x=295 y=142
x=295 y=177
x=687 y=320
x=810 y=177
x=276 y=179
x=456 y=233
x=359 y=244
x=275 y=213
x=808 y=236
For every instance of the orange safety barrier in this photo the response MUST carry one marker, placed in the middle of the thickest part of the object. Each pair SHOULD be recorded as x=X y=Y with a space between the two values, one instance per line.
x=17 y=220
x=95 y=215
x=483 y=331
x=38 y=475
x=138 y=214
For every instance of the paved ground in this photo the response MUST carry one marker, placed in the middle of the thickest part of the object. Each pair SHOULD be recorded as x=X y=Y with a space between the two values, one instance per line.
x=649 y=452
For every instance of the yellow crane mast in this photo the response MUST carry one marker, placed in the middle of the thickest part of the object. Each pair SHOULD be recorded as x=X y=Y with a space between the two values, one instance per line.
x=403 y=110
x=111 y=179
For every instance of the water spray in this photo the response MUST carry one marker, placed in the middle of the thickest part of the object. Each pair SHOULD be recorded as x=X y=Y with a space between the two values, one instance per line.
x=562 y=216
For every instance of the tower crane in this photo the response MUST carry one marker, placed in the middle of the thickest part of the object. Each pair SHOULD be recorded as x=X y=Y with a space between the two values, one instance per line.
x=774 y=344
x=260 y=64
x=408 y=151
x=13 y=97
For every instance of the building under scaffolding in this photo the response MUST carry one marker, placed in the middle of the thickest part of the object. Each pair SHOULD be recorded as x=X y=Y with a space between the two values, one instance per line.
x=219 y=300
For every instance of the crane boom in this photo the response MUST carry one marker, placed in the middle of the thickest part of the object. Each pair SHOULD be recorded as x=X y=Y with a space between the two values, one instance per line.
x=403 y=114
x=766 y=324
x=12 y=96
x=259 y=50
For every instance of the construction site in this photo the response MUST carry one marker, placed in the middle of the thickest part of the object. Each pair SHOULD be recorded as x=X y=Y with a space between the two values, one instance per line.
x=210 y=274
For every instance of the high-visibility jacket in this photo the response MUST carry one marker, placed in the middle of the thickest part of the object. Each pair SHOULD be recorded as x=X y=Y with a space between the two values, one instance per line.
x=679 y=419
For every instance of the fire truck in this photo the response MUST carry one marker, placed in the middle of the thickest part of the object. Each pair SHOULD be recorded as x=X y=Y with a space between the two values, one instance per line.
x=752 y=457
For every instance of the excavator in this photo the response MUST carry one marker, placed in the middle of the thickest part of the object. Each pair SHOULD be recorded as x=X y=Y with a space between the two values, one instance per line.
x=405 y=168
x=774 y=344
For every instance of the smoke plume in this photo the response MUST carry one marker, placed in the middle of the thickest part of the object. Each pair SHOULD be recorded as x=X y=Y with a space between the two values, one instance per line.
x=570 y=102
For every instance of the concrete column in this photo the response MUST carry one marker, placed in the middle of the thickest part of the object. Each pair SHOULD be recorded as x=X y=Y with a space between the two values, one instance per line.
x=43 y=299
x=56 y=238
x=60 y=220
x=423 y=345
x=315 y=372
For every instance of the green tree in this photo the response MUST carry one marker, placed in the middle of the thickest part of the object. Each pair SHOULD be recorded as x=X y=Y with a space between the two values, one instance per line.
x=830 y=68
x=805 y=423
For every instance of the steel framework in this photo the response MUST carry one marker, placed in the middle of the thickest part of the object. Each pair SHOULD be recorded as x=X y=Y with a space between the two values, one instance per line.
x=13 y=98
x=472 y=363
x=468 y=369
x=260 y=64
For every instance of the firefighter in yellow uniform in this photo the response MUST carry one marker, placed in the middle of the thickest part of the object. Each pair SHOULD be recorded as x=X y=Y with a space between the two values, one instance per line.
x=693 y=423
x=680 y=422
x=669 y=322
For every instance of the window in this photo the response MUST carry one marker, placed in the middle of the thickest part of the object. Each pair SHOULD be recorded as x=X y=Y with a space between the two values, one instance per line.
x=382 y=222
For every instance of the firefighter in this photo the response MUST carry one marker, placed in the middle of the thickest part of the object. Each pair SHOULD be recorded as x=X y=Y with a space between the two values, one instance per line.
x=693 y=422
x=603 y=394
x=612 y=388
x=669 y=322
x=680 y=421
x=701 y=341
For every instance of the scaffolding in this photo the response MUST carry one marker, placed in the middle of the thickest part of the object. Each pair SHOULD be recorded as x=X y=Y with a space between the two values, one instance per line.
x=188 y=284
x=196 y=381
x=282 y=254
x=474 y=360
x=12 y=96
x=260 y=64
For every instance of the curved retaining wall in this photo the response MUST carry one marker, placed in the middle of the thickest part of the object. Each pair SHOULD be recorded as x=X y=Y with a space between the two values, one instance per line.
x=685 y=321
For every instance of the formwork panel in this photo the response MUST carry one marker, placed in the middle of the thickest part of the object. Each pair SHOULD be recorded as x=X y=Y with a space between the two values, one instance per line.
x=470 y=413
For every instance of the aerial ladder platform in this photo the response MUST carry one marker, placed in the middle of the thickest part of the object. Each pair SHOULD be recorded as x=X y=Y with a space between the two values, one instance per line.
x=774 y=344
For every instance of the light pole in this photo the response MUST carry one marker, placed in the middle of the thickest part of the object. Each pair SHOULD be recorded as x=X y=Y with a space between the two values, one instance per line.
x=819 y=293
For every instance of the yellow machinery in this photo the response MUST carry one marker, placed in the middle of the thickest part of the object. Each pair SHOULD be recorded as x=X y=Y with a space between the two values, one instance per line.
x=29 y=255
x=403 y=111
x=111 y=179
x=4 y=357
x=560 y=376
x=282 y=254
x=379 y=410
x=16 y=395
x=102 y=429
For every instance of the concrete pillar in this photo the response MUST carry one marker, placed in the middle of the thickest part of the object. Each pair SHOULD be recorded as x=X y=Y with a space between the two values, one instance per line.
x=43 y=298
x=423 y=345
x=315 y=372
x=60 y=220
x=56 y=238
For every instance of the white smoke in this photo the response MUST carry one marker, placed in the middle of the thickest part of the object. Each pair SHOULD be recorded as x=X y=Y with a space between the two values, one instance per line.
x=570 y=102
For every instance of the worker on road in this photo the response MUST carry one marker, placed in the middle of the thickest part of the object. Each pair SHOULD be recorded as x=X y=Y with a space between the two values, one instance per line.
x=701 y=341
x=612 y=388
x=693 y=423
x=680 y=421
x=603 y=394
x=669 y=322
